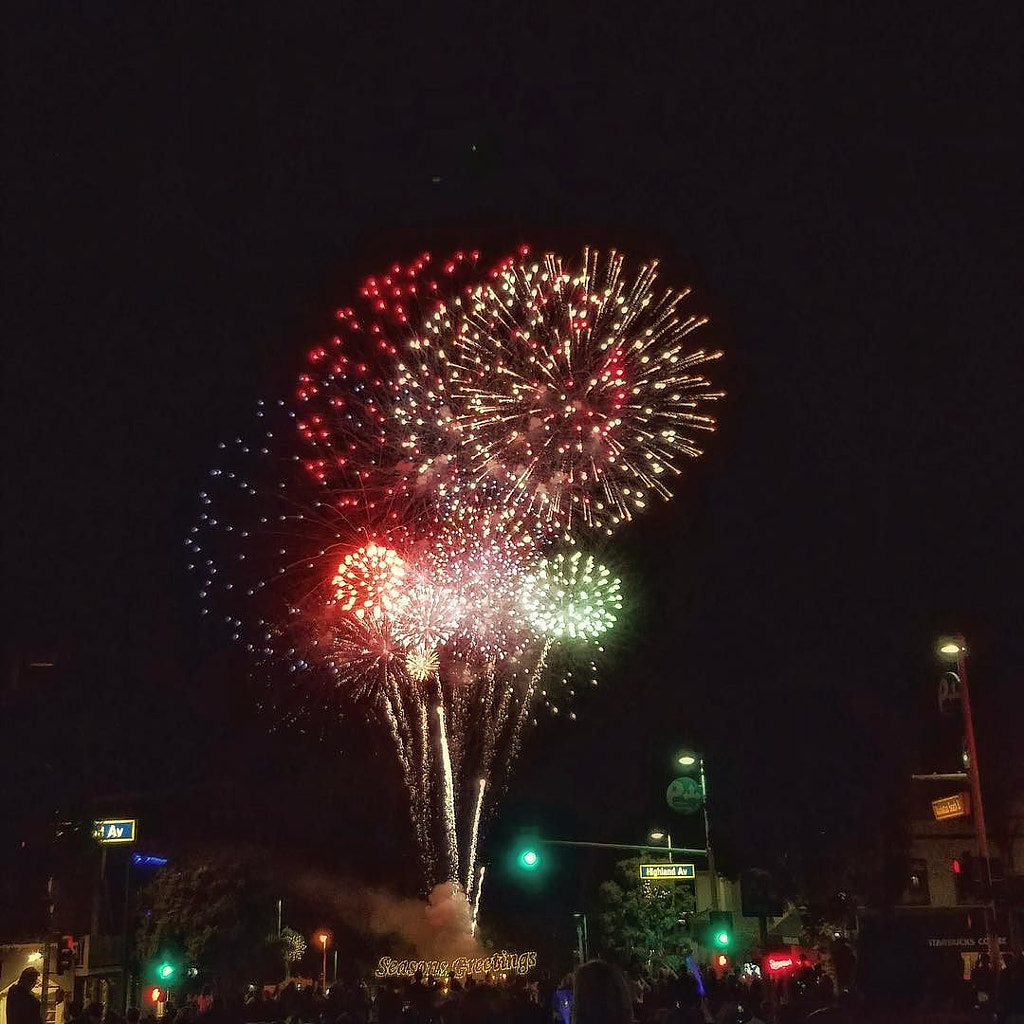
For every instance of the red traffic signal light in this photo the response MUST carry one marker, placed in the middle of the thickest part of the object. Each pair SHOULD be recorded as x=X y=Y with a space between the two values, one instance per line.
x=722 y=962
x=155 y=994
x=66 y=955
x=957 y=867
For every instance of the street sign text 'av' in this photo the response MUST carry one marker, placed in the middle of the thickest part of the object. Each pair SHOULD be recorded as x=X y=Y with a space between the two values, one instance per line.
x=114 y=830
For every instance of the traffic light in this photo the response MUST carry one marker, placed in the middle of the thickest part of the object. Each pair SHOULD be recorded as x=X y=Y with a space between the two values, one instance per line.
x=165 y=969
x=967 y=877
x=971 y=878
x=154 y=994
x=66 y=955
x=720 y=928
x=721 y=962
x=528 y=859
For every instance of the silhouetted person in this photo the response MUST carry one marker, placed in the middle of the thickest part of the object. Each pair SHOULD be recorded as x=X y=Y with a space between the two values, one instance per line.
x=389 y=1005
x=1011 y=991
x=22 y=1005
x=982 y=978
x=600 y=995
x=482 y=1004
x=421 y=999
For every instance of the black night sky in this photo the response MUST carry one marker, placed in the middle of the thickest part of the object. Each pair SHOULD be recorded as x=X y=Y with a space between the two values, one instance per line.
x=192 y=188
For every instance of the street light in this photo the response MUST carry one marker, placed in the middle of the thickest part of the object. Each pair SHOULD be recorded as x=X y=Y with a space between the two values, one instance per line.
x=688 y=760
x=657 y=836
x=323 y=937
x=957 y=647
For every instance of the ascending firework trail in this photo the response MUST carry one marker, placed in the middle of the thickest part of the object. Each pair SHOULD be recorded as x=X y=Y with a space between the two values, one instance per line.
x=404 y=532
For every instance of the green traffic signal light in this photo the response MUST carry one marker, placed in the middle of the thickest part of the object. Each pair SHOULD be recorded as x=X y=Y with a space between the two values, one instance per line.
x=529 y=859
x=165 y=971
x=720 y=928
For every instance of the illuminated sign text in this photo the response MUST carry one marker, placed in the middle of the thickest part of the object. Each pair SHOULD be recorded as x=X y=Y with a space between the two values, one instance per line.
x=503 y=962
x=668 y=872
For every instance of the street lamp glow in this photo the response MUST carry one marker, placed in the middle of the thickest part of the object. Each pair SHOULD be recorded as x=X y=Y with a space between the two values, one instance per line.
x=686 y=760
x=657 y=835
x=950 y=647
x=322 y=938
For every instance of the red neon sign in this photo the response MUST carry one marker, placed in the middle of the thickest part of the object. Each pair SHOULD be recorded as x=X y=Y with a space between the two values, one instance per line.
x=780 y=963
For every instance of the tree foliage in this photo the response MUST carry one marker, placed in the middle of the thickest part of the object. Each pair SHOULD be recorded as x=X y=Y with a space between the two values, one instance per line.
x=214 y=914
x=644 y=920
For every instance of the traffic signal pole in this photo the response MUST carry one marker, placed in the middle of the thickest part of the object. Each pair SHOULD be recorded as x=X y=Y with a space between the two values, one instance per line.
x=712 y=873
x=620 y=846
x=974 y=777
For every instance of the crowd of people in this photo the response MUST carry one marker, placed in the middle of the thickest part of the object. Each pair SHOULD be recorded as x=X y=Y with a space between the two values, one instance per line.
x=596 y=993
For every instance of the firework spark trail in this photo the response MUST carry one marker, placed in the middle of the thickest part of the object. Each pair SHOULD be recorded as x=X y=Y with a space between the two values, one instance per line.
x=474 y=832
x=458 y=726
x=424 y=772
x=416 y=781
x=500 y=719
x=418 y=747
x=527 y=702
x=449 y=797
x=486 y=703
x=478 y=894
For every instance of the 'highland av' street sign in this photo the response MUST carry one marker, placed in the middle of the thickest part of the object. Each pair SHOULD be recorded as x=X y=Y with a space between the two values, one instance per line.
x=668 y=872
x=114 y=830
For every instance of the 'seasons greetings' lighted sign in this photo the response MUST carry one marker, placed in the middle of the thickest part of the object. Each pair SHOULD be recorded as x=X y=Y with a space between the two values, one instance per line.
x=502 y=962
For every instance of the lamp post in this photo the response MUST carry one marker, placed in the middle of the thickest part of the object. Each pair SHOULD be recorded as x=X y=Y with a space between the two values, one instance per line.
x=957 y=647
x=323 y=937
x=688 y=760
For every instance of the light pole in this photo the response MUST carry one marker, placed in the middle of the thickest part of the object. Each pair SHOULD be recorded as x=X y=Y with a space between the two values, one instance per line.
x=957 y=647
x=658 y=836
x=323 y=937
x=688 y=760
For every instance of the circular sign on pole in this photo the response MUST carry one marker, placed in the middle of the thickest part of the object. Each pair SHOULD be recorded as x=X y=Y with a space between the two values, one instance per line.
x=684 y=795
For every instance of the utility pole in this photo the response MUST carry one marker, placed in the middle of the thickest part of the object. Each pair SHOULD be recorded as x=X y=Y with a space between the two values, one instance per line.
x=974 y=777
x=47 y=949
x=707 y=839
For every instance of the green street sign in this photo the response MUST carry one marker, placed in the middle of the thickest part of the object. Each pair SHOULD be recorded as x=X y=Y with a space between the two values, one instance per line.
x=684 y=795
x=668 y=872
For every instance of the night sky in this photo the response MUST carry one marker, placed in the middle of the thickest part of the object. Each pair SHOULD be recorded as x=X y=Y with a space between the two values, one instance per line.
x=191 y=189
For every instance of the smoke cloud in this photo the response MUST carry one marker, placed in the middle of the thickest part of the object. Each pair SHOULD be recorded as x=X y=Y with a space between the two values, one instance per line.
x=441 y=926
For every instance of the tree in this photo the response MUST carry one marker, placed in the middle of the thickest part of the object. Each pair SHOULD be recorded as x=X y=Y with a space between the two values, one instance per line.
x=213 y=914
x=644 y=920
x=294 y=948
